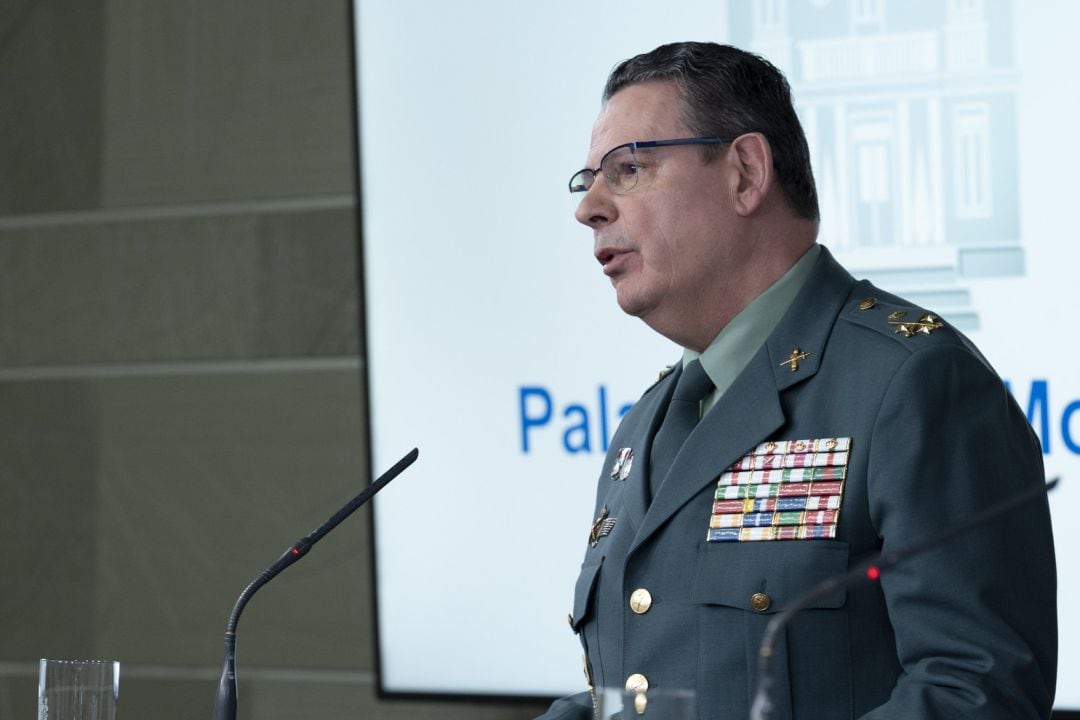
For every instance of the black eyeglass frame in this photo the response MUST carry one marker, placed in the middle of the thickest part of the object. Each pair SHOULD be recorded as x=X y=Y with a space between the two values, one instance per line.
x=584 y=186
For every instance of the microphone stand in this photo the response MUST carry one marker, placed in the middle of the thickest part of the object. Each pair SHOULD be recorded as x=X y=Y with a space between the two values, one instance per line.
x=225 y=704
x=865 y=572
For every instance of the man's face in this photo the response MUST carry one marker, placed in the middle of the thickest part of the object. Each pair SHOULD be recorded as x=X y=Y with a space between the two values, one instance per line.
x=668 y=244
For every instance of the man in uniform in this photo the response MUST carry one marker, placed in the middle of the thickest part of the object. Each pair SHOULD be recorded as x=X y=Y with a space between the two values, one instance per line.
x=814 y=420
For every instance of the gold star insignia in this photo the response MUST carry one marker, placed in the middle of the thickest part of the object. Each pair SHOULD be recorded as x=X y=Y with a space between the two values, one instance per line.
x=929 y=323
x=926 y=324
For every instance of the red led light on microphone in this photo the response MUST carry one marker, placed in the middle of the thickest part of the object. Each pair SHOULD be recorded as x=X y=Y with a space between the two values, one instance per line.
x=872 y=572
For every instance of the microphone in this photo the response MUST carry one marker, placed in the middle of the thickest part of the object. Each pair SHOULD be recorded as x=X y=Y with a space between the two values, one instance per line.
x=865 y=572
x=225 y=705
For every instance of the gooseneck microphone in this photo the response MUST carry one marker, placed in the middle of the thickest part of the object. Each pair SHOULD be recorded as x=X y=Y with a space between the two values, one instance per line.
x=225 y=705
x=866 y=572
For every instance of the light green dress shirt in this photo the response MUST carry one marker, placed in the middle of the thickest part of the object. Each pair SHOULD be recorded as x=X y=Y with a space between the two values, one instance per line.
x=741 y=338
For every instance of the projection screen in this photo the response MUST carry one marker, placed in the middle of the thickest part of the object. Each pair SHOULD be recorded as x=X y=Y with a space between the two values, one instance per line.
x=944 y=153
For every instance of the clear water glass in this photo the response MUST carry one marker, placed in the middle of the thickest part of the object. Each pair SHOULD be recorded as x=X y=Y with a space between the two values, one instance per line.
x=653 y=704
x=78 y=689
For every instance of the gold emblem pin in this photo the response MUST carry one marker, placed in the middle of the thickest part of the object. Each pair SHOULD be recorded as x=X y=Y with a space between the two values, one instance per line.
x=594 y=532
x=602 y=526
x=897 y=314
x=867 y=303
x=796 y=355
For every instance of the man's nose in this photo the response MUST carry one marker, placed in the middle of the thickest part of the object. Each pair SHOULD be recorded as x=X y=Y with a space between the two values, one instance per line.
x=597 y=208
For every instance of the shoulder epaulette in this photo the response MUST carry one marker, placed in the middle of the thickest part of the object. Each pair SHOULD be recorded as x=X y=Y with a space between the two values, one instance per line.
x=893 y=316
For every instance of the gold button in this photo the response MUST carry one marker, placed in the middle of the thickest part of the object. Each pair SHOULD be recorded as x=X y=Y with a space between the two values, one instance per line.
x=760 y=602
x=867 y=303
x=637 y=683
x=640 y=601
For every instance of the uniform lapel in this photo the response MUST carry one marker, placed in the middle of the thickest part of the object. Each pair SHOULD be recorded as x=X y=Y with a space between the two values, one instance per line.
x=750 y=411
x=647 y=414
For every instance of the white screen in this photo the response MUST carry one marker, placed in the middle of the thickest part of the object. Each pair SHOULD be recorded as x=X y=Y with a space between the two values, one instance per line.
x=944 y=157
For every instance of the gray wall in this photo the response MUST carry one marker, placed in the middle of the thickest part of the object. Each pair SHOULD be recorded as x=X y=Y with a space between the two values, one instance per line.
x=180 y=388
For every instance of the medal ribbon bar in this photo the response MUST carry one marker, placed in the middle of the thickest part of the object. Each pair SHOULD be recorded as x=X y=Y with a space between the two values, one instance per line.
x=781 y=490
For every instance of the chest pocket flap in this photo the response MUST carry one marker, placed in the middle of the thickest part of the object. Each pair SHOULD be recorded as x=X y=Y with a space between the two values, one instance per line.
x=731 y=574
x=583 y=589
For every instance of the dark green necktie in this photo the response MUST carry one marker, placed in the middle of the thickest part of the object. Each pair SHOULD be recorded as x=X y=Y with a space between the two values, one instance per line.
x=683 y=414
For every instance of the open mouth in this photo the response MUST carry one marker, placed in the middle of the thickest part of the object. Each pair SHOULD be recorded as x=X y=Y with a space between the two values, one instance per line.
x=609 y=258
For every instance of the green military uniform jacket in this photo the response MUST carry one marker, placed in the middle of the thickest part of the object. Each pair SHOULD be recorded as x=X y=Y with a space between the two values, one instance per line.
x=968 y=631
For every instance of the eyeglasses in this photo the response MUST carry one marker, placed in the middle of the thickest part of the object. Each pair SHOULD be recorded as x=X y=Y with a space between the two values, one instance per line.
x=624 y=167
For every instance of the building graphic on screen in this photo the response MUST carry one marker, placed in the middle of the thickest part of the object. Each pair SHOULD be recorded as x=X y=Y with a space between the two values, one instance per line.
x=910 y=110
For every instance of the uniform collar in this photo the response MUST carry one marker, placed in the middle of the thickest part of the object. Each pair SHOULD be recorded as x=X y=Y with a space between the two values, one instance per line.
x=741 y=338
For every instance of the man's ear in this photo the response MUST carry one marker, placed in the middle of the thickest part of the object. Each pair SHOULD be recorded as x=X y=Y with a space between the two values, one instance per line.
x=752 y=158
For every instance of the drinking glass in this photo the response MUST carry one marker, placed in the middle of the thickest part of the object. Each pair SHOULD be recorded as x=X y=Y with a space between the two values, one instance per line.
x=653 y=704
x=78 y=689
